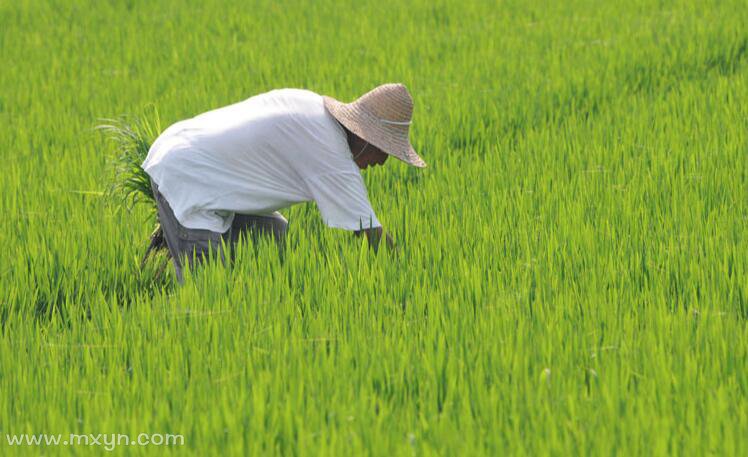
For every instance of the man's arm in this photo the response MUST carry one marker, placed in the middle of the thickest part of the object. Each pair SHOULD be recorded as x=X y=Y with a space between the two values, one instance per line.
x=374 y=236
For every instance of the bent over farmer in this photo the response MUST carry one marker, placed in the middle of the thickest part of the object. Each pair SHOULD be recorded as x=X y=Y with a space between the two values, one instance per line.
x=229 y=170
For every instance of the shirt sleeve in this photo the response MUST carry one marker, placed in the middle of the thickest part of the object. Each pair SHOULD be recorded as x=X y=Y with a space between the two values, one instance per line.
x=342 y=200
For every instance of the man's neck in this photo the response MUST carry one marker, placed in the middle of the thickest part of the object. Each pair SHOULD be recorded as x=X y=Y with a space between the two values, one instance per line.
x=354 y=142
x=351 y=137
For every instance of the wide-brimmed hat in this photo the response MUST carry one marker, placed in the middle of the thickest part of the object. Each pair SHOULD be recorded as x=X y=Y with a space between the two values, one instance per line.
x=381 y=117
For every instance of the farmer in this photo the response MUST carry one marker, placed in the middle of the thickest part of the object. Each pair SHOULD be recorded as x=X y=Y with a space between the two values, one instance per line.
x=227 y=171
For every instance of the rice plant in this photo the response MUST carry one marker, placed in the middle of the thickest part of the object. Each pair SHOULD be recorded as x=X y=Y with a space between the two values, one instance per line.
x=130 y=139
x=573 y=278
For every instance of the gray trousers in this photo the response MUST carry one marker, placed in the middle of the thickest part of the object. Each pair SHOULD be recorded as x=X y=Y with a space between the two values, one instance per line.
x=198 y=244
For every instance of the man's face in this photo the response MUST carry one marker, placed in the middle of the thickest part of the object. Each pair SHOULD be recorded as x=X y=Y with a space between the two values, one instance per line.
x=371 y=156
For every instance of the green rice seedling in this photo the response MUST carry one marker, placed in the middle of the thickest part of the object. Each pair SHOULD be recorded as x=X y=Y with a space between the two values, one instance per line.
x=573 y=278
x=130 y=139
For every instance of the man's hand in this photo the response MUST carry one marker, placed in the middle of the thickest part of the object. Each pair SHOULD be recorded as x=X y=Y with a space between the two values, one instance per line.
x=374 y=236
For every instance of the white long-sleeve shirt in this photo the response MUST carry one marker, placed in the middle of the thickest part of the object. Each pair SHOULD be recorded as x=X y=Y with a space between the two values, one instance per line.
x=256 y=156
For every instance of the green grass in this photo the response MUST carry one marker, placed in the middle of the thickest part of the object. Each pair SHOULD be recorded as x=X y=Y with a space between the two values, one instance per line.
x=573 y=279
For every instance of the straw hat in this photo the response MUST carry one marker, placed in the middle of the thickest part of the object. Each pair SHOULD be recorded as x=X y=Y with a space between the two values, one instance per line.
x=381 y=117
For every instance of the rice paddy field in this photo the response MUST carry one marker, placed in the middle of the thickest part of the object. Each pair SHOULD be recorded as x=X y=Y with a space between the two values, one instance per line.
x=571 y=277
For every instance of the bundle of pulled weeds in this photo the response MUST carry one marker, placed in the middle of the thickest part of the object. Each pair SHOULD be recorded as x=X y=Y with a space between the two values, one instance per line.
x=129 y=184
